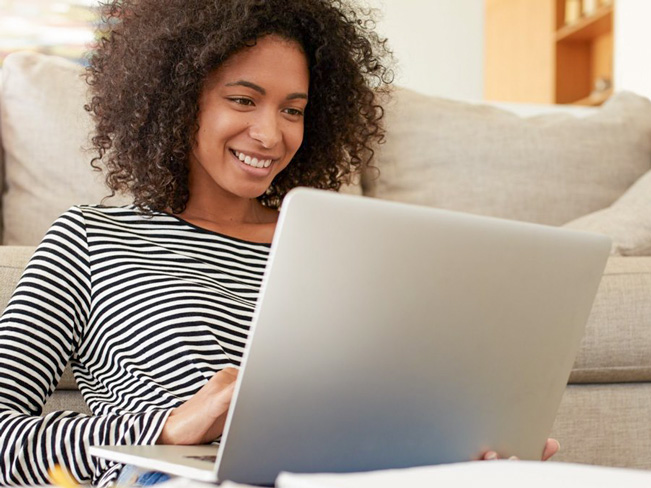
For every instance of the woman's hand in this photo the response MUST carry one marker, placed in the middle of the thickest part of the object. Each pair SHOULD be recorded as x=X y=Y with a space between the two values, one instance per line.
x=551 y=447
x=201 y=419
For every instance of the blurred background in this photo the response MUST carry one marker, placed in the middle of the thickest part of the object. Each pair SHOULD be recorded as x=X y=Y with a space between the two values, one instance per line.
x=531 y=51
x=59 y=27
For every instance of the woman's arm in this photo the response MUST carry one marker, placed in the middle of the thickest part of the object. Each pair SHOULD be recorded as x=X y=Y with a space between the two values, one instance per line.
x=40 y=331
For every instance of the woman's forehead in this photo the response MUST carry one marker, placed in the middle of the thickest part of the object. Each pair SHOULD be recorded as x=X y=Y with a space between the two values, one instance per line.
x=271 y=59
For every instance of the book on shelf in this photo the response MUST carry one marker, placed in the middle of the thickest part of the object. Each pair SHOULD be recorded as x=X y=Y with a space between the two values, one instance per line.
x=572 y=11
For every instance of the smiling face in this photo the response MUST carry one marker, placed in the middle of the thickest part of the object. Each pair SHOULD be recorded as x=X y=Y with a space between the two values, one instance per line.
x=250 y=121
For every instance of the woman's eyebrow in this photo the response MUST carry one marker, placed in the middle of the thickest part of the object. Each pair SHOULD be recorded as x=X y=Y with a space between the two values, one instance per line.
x=248 y=84
x=262 y=91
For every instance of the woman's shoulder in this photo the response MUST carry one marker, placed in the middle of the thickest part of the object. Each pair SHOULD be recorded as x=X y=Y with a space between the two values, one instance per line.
x=121 y=213
x=127 y=221
x=117 y=217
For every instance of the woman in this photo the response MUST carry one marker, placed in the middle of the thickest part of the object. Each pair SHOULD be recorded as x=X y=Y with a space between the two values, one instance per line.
x=207 y=112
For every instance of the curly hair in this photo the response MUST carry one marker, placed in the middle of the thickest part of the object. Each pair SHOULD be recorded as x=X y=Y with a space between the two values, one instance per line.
x=148 y=68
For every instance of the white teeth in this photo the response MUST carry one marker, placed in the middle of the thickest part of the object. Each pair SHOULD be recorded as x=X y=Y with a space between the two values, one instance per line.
x=254 y=162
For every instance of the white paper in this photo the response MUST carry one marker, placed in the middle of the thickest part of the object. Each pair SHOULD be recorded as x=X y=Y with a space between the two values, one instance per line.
x=484 y=474
x=180 y=482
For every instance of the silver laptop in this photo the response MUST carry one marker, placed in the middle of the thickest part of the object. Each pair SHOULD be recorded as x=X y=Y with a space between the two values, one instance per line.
x=390 y=335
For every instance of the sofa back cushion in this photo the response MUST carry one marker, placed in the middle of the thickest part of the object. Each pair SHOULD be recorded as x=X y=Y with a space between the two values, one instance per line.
x=627 y=221
x=480 y=159
x=45 y=133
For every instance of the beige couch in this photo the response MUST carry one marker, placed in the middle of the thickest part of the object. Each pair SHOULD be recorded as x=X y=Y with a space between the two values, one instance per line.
x=588 y=172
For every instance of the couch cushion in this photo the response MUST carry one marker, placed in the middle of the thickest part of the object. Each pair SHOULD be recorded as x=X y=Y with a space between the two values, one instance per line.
x=45 y=130
x=627 y=221
x=609 y=425
x=476 y=158
x=617 y=341
x=66 y=400
x=13 y=260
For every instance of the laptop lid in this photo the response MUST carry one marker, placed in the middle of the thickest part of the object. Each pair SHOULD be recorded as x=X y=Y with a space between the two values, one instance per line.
x=389 y=335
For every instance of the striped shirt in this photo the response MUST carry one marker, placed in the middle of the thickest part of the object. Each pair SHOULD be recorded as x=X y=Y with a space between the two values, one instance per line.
x=146 y=309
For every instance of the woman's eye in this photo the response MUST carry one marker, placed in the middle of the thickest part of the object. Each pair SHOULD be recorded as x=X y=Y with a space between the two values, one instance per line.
x=294 y=111
x=242 y=101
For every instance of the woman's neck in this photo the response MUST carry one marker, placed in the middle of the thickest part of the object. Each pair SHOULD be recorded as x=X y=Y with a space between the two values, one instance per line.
x=245 y=219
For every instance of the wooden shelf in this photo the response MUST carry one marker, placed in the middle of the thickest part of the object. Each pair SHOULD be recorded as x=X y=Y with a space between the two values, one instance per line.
x=531 y=55
x=586 y=28
x=583 y=56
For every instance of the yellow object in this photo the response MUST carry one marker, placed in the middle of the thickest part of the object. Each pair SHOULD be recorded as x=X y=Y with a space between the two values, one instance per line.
x=572 y=11
x=62 y=478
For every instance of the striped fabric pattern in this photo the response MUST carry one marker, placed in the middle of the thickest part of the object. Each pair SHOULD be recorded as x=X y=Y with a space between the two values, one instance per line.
x=146 y=309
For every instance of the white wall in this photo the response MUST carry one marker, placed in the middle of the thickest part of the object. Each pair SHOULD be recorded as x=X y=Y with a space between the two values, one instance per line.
x=632 y=70
x=438 y=44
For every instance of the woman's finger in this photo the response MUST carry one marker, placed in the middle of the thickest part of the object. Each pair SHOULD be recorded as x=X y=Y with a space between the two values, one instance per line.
x=552 y=446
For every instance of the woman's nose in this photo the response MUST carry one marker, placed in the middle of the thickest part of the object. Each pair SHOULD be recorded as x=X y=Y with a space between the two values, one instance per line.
x=266 y=130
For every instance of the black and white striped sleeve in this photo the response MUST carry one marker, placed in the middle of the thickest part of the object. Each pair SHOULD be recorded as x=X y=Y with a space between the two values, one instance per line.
x=39 y=332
